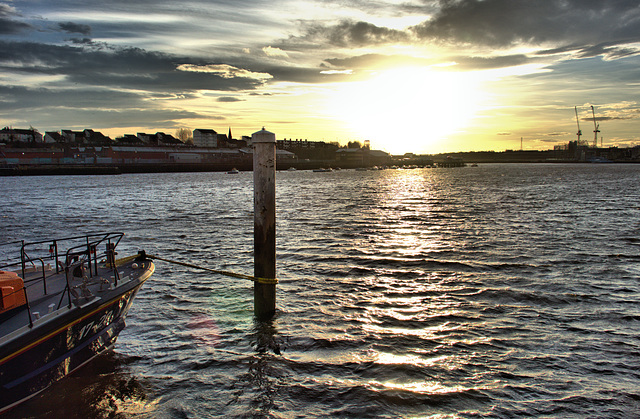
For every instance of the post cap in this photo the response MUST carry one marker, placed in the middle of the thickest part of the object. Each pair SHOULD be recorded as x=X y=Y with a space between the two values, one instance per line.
x=263 y=136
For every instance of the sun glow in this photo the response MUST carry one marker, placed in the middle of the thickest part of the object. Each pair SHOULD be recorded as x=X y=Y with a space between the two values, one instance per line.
x=409 y=109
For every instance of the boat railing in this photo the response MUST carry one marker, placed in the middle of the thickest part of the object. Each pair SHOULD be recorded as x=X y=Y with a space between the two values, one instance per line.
x=81 y=254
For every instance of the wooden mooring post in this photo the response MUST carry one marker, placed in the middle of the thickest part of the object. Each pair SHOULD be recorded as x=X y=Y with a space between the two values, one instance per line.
x=264 y=224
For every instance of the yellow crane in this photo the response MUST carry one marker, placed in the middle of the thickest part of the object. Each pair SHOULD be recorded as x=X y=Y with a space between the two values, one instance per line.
x=596 y=130
x=578 y=122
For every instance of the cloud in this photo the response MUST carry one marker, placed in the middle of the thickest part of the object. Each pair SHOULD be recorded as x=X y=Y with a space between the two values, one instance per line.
x=158 y=118
x=224 y=70
x=336 y=72
x=228 y=99
x=71 y=27
x=8 y=26
x=124 y=68
x=465 y=63
x=88 y=108
x=274 y=52
x=81 y=40
x=505 y=23
x=485 y=63
x=379 y=61
x=609 y=50
x=345 y=34
x=308 y=74
x=20 y=97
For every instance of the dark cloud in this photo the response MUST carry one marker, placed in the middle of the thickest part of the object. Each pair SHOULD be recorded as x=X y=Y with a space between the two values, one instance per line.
x=159 y=119
x=19 y=97
x=614 y=118
x=346 y=34
x=589 y=74
x=587 y=27
x=552 y=138
x=102 y=65
x=609 y=50
x=81 y=40
x=71 y=27
x=503 y=23
x=486 y=63
x=229 y=99
x=82 y=108
x=380 y=61
x=299 y=74
x=9 y=26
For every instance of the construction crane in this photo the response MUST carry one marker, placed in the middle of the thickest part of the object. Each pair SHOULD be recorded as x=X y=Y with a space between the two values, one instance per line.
x=596 y=130
x=578 y=122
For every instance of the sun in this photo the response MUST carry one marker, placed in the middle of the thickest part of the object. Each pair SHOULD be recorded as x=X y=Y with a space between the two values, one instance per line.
x=410 y=109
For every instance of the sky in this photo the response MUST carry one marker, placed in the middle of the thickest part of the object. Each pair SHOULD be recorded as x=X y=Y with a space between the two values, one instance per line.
x=421 y=76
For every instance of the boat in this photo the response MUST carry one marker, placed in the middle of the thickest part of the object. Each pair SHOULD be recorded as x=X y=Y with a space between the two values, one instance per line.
x=63 y=302
x=233 y=171
x=323 y=170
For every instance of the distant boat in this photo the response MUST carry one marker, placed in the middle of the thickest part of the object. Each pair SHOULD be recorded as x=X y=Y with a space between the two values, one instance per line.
x=599 y=160
x=233 y=171
x=291 y=169
x=61 y=308
x=322 y=169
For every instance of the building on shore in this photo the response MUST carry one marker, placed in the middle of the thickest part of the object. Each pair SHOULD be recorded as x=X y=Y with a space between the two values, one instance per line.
x=205 y=138
x=15 y=135
x=362 y=157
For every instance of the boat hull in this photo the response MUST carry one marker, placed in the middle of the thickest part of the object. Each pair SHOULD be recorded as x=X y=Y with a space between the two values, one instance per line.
x=48 y=353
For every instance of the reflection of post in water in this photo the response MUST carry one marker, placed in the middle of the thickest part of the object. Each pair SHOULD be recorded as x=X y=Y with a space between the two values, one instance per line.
x=262 y=378
x=264 y=227
x=265 y=341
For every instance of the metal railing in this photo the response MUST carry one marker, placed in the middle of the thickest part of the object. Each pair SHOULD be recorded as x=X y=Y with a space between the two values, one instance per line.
x=82 y=251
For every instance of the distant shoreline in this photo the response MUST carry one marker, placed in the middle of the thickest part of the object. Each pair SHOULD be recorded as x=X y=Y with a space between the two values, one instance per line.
x=71 y=170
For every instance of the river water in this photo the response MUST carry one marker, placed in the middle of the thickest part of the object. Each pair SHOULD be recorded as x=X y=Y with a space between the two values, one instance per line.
x=490 y=291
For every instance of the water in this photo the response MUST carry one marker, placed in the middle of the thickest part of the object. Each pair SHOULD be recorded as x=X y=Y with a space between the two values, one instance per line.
x=496 y=291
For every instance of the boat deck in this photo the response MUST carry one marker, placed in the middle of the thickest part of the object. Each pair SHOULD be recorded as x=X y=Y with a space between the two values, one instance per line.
x=48 y=295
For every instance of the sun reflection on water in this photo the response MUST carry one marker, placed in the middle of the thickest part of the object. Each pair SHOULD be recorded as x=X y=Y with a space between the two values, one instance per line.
x=410 y=359
x=427 y=387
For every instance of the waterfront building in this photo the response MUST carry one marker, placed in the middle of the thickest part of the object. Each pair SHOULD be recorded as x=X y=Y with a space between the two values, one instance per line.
x=88 y=136
x=11 y=135
x=52 y=137
x=159 y=138
x=205 y=138
x=362 y=157
x=129 y=139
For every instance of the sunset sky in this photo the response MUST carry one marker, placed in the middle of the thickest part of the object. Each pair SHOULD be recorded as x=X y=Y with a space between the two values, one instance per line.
x=409 y=75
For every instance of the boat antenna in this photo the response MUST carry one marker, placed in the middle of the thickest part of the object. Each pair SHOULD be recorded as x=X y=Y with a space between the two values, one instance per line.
x=596 y=130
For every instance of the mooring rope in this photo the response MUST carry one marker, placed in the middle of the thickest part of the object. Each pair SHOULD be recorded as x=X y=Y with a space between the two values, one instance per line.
x=225 y=273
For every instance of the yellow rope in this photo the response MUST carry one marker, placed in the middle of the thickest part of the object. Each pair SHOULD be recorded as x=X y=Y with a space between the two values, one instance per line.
x=225 y=273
